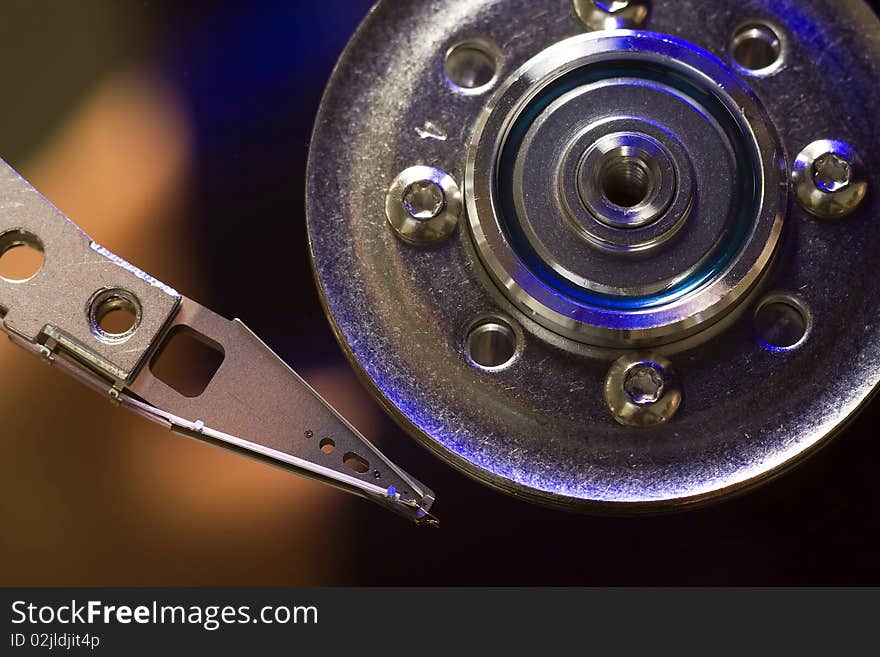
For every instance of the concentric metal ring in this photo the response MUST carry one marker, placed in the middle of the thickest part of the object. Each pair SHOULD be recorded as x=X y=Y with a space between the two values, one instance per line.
x=658 y=220
x=627 y=160
x=540 y=428
x=692 y=303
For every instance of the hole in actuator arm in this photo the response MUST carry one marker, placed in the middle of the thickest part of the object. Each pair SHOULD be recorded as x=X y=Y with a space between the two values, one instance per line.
x=187 y=361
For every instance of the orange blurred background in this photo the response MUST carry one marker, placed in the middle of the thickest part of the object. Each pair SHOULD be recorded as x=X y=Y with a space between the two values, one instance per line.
x=176 y=135
x=90 y=494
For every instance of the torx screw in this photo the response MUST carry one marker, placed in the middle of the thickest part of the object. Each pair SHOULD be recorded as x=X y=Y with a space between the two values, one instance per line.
x=830 y=179
x=644 y=383
x=424 y=199
x=642 y=390
x=423 y=205
x=831 y=173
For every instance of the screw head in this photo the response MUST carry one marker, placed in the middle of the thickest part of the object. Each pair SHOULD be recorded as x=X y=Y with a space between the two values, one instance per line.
x=644 y=383
x=612 y=14
x=423 y=205
x=830 y=179
x=831 y=173
x=424 y=199
x=642 y=390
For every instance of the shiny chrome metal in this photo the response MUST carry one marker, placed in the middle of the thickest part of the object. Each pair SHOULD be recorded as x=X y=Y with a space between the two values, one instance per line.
x=493 y=343
x=109 y=300
x=783 y=321
x=471 y=66
x=423 y=205
x=612 y=14
x=677 y=315
x=254 y=404
x=540 y=428
x=758 y=49
x=627 y=180
x=580 y=199
x=642 y=390
x=830 y=180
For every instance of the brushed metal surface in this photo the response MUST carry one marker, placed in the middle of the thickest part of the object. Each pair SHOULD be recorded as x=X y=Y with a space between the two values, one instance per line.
x=538 y=429
x=55 y=302
x=253 y=404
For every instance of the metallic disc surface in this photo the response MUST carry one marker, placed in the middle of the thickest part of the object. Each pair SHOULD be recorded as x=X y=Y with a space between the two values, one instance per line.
x=625 y=188
x=627 y=196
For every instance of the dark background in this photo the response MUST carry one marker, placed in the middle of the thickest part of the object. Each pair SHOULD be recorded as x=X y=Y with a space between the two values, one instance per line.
x=83 y=500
